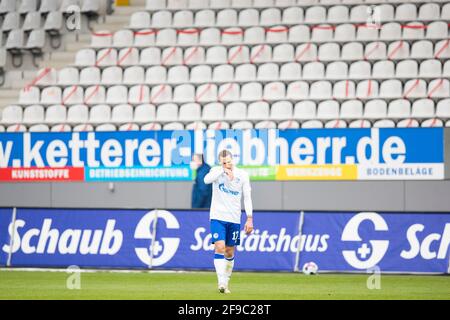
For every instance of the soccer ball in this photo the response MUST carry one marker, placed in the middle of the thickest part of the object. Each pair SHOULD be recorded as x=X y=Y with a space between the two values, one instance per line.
x=310 y=268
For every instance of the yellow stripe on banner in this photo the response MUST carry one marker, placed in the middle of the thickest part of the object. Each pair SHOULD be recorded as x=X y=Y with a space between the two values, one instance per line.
x=317 y=172
x=122 y=3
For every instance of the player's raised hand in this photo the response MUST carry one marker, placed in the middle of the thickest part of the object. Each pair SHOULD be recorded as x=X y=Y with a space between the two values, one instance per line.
x=248 y=228
x=229 y=173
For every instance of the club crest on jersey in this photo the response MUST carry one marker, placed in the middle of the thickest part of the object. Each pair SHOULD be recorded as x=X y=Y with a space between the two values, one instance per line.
x=223 y=189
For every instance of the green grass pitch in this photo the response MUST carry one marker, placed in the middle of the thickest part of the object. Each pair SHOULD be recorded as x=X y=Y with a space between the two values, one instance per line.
x=202 y=285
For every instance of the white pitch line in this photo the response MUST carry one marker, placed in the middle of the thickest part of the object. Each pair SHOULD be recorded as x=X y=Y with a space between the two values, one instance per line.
x=97 y=270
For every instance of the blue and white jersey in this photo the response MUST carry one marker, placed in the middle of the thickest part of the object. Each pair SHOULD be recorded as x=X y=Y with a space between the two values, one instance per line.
x=226 y=197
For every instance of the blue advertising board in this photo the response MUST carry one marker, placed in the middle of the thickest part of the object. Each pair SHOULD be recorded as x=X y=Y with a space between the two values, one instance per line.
x=339 y=154
x=335 y=241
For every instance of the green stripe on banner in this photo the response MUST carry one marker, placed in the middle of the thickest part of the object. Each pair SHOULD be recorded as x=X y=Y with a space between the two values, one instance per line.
x=256 y=173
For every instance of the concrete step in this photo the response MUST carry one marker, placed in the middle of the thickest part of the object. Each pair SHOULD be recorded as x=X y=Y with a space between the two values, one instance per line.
x=112 y=27
x=19 y=85
x=73 y=48
x=84 y=38
x=60 y=56
x=128 y=11
x=117 y=18
x=134 y=3
x=8 y=93
x=7 y=102
x=58 y=65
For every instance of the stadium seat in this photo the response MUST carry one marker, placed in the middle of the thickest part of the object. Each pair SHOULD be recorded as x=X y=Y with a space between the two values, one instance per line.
x=85 y=57
x=292 y=14
x=408 y=123
x=375 y=109
x=223 y=73
x=183 y=18
x=283 y=53
x=145 y=38
x=439 y=88
x=61 y=128
x=258 y=111
x=196 y=125
x=430 y=123
x=133 y=75
x=399 y=108
x=352 y=51
x=290 y=71
x=140 y=20
x=189 y=112
x=266 y=124
x=437 y=30
x=312 y=124
x=335 y=124
x=144 y=113
x=55 y=114
x=129 y=127
x=78 y=114
x=184 y=93
x=205 y=18
x=274 y=91
x=252 y=91
x=337 y=70
x=122 y=113
x=173 y=126
x=167 y=112
x=289 y=124
x=268 y=71
x=384 y=123
x=375 y=51
x=12 y=114
x=443 y=109
x=39 y=128
x=229 y=92
x=100 y=114
x=213 y=111
x=320 y=90
x=422 y=50
x=83 y=128
x=328 y=110
x=423 y=108
x=178 y=74
x=117 y=95
x=152 y=126
x=33 y=114
x=391 y=89
x=105 y=127
x=352 y=109
x=95 y=95
x=281 y=110
x=430 y=69
x=68 y=76
x=360 y=124
x=242 y=125
x=51 y=95
x=236 y=111
x=345 y=33
x=161 y=94
x=305 y=110
x=206 y=93
x=219 y=125
x=16 y=128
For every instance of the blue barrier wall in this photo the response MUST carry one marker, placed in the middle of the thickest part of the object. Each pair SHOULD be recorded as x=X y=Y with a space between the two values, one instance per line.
x=336 y=241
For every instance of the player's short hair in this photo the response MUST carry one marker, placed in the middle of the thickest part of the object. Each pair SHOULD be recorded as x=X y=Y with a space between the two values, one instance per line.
x=225 y=153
